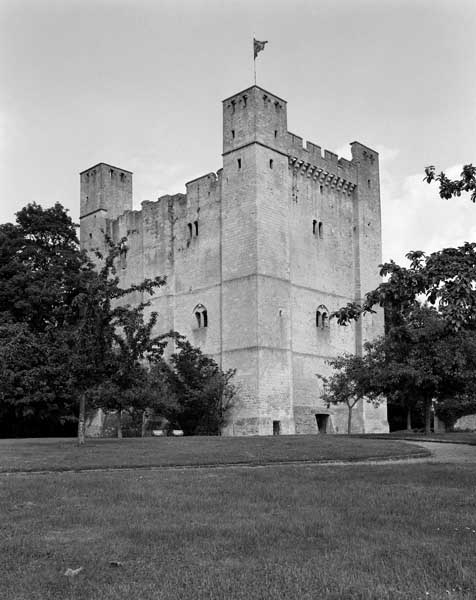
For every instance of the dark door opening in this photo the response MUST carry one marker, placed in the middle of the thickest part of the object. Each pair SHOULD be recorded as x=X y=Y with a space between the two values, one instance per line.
x=276 y=427
x=322 y=421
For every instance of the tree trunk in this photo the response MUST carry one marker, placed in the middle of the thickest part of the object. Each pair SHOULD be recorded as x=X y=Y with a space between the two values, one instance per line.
x=144 y=423
x=409 y=418
x=428 y=416
x=119 y=424
x=81 y=420
x=349 y=420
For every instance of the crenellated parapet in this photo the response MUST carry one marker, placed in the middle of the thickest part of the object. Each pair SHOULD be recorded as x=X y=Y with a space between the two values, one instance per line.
x=325 y=166
x=321 y=174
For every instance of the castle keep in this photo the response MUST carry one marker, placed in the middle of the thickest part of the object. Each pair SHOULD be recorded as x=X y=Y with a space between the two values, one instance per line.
x=257 y=255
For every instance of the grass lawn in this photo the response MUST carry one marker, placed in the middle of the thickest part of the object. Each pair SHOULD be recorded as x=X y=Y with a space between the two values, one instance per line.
x=401 y=531
x=452 y=437
x=39 y=454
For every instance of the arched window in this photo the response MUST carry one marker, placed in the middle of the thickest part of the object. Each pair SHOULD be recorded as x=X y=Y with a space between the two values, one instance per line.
x=201 y=317
x=322 y=317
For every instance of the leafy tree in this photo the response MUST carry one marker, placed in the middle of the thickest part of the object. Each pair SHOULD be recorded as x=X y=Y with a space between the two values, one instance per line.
x=109 y=338
x=351 y=381
x=450 y=409
x=40 y=266
x=200 y=395
x=421 y=360
x=63 y=332
x=450 y=188
x=445 y=279
x=415 y=362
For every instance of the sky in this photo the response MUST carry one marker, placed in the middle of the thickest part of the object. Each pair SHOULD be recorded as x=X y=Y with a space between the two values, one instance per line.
x=139 y=83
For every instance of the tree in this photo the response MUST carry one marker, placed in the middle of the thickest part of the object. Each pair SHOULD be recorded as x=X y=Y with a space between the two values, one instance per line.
x=40 y=266
x=417 y=361
x=108 y=337
x=445 y=279
x=350 y=382
x=421 y=360
x=130 y=386
x=65 y=330
x=450 y=188
x=200 y=394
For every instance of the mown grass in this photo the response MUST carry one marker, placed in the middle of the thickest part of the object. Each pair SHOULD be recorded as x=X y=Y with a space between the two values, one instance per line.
x=43 y=454
x=451 y=437
x=401 y=531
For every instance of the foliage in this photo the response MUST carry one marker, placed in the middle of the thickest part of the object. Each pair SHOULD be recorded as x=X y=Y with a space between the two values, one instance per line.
x=64 y=335
x=110 y=339
x=450 y=188
x=450 y=409
x=40 y=264
x=417 y=361
x=40 y=267
x=200 y=395
x=445 y=279
x=351 y=381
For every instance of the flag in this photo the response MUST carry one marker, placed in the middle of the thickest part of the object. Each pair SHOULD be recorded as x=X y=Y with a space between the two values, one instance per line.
x=258 y=46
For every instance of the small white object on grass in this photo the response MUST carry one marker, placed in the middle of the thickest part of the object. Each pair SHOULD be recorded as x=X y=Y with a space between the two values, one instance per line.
x=73 y=572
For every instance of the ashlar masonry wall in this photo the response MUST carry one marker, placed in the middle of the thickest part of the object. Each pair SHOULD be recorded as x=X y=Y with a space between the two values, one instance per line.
x=268 y=247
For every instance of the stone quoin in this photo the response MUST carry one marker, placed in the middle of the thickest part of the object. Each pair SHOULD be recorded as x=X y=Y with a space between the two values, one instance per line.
x=257 y=256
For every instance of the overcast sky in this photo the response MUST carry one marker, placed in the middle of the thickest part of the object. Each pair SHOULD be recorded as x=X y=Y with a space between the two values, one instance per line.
x=139 y=84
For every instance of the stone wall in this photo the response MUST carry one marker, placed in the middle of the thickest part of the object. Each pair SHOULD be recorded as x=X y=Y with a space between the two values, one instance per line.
x=280 y=233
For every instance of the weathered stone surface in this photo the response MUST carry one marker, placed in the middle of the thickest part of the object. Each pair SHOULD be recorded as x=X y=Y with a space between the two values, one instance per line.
x=277 y=234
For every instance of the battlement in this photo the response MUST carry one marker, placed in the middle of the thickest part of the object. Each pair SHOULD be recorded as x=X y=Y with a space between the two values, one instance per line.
x=312 y=160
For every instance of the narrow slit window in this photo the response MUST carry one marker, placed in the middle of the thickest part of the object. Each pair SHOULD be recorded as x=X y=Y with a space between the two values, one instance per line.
x=321 y=229
x=205 y=318
x=198 y=316
x=369 y=184
x=239 y=163
x=233 y=133
x=190 y=230
x=325 y=320
x=270 y=163
x=245 y=100
x=321 y=189
x=196 y=227
x=314 y=226
x=123 y=177
x=275 y=133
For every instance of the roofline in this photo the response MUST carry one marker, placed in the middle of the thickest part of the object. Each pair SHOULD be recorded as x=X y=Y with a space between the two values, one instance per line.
x=368 y=147
x=107 y=165
x=250 y=88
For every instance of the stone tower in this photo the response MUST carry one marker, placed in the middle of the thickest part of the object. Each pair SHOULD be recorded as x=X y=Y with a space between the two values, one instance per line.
x=257 y=256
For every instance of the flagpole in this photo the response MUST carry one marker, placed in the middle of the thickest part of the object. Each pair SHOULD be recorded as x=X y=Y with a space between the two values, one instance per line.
x=254 y=57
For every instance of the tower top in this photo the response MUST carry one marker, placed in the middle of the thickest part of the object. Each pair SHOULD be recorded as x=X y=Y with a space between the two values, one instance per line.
x=258 y=89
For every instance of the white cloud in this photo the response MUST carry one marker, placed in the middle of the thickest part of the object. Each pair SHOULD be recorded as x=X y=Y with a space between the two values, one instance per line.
x=414 y=217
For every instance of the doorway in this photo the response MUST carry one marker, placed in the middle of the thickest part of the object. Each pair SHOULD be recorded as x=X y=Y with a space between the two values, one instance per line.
x=322 y=422
x=276 y=427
